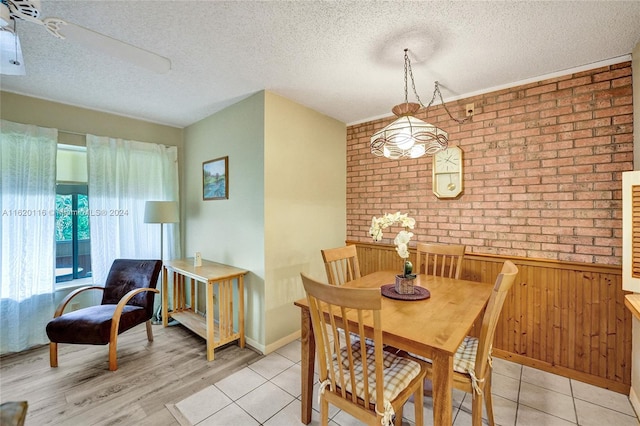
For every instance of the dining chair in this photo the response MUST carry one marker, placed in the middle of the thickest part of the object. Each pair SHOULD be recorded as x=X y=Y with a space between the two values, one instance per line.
x=472 y=361
x=439 y=259
x=361 y=379
x=341 y=264
x=127 y=300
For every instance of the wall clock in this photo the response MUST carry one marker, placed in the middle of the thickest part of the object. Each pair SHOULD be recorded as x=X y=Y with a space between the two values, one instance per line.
x=447 y=173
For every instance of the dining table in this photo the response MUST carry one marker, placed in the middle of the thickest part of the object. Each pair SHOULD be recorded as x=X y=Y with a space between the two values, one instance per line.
x=432 y=327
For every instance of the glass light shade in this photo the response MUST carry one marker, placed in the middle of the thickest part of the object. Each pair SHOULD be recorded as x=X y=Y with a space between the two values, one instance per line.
x=161 y=212
x=408 y=137
x=11 y=61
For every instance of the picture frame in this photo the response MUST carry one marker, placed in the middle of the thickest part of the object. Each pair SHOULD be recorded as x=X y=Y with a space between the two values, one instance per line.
x=215 y=179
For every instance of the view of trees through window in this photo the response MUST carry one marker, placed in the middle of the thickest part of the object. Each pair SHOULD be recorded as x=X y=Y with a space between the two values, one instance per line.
x=65 y=212
x=73 y=245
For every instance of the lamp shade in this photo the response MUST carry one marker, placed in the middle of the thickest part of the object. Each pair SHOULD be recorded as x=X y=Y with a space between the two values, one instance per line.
x=408 y=136
x=161 y=212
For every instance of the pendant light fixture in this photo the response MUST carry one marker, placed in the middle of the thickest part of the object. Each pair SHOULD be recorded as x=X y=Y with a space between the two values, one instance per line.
x=11 y=61
x=408 y=136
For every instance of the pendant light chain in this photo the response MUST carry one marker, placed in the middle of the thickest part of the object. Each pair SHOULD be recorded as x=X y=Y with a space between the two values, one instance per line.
x=15 y=41
x=407 y=67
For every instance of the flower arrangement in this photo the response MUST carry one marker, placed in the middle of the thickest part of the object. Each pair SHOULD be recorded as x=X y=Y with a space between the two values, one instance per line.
x=402 y=239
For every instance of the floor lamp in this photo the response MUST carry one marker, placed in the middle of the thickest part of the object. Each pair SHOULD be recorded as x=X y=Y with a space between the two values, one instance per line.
x=161 y=212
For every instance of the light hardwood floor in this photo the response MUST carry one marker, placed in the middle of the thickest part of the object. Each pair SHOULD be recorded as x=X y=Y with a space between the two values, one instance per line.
x=82 y=391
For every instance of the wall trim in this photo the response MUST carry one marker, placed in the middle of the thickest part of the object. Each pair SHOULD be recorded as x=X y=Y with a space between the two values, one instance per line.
x=271 y=347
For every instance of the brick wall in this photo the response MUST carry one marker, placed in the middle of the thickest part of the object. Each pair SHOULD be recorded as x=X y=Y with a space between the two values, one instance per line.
x=542 y=176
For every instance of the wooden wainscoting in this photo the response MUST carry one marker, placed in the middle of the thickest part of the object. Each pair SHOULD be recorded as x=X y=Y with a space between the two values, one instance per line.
x=565 y=318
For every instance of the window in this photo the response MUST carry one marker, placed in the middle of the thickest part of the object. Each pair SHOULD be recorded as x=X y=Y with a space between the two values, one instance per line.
x=73 y=243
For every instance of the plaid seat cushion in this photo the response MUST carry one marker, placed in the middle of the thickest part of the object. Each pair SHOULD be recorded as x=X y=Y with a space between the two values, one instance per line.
x=464 y=359
x=397 y=372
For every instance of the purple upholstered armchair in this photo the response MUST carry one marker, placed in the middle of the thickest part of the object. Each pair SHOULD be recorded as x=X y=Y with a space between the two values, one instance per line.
x=127 y=301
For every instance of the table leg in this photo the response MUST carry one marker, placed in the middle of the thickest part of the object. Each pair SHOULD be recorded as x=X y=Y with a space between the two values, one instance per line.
x=307 y=364
x=442 y=387
x=241 y=309
x=209 y=318
x=165 y=298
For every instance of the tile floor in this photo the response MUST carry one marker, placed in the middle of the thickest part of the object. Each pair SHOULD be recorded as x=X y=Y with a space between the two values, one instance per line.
x=268 y=393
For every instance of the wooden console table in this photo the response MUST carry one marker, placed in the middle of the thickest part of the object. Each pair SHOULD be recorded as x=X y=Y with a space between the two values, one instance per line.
x=211 y=274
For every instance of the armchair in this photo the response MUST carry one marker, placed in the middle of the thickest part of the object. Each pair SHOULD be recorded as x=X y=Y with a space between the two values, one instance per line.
x=127 y=301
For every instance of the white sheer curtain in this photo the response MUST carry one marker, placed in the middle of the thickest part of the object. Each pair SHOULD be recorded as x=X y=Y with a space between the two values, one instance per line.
x=27 y=204
x=123 y=175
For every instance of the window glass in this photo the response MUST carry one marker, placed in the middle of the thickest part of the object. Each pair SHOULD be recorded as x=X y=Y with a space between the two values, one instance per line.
x=72 y=232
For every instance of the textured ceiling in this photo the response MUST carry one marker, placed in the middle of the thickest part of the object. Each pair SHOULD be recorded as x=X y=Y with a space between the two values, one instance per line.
x=343 y=59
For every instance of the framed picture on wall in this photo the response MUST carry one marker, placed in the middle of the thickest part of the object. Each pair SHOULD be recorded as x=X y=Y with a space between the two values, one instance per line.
x=215 y=179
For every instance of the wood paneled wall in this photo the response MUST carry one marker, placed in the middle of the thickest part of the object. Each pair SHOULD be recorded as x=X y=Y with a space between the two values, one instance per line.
x=563 y=317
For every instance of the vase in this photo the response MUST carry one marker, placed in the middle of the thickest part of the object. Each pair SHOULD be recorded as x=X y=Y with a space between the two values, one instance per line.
x=404 y=285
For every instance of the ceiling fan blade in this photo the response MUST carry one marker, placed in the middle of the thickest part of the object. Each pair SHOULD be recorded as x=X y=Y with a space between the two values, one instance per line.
x=100 y=42
x=11 y=61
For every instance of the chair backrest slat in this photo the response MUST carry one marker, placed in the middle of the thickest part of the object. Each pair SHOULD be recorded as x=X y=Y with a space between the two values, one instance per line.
x=341 y=264
x=439 y=259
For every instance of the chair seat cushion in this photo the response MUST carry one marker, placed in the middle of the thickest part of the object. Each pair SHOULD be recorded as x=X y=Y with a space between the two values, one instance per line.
x=464 y=359
x=398 y=372
x=92 y=325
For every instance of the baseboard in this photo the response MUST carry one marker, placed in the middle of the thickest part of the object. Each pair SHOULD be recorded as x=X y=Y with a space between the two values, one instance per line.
x=258 y=347
x=282 y=342
x=635 y=402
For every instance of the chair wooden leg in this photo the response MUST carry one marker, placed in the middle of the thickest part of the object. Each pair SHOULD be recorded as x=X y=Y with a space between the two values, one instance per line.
x=488 y=400
x=418 y=401
x=398 y=417
x=476 y=410
x=53 y=354
x=149 y=331
x=113 y=355
x=324 y=412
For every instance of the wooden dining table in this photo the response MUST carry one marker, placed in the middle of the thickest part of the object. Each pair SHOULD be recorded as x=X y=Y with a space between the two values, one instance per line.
x=432 y=327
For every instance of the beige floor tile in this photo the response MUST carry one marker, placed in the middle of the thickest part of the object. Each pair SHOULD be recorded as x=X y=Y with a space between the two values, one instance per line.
x=240 y=383
x=265 y=401
x=232 y=414
x=291 y=351
x=289 y=380
x=203 y=404
x=546 y=380
x=505 y=386
x=504 y=410
x=528 y=416
x=603 y=397
x=548 y=401
x=290 y=415
x=271 y=365
x=595 y=415
x=507 y=368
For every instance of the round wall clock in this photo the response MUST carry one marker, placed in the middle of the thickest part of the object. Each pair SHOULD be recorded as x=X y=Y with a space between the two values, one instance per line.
x=447 y=173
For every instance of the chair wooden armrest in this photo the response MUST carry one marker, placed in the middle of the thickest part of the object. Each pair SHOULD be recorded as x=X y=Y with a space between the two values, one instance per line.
x=115 y=325
x=71 y=295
